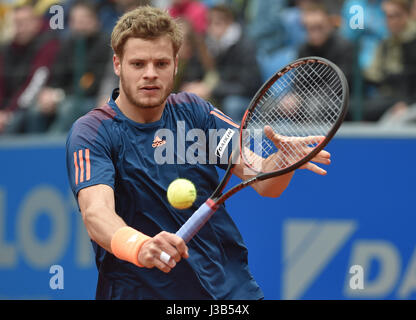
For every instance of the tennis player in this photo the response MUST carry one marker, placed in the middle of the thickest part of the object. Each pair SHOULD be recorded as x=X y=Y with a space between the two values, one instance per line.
x=121 y=189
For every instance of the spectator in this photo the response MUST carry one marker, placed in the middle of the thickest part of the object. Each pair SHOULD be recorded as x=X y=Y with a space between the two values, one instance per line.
x=392 y=69
x=235 y=61
x=276 y=27
x=195 y=61
x=109 y=11
x=413 y=12
x=6 y=23
x=264 y=26
x=239 y=7
x=191 y=10
x=324 y=41
x=77 y=74
x=25 y=65
x=372 y=33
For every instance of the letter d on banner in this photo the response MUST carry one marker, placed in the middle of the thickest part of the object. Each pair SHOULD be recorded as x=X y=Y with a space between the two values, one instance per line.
x=366 y=252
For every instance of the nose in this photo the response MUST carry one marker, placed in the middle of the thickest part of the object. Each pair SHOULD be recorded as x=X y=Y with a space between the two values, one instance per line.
x=150 y=72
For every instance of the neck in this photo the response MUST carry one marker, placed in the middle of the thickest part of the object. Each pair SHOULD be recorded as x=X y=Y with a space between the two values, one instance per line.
x=138 y=114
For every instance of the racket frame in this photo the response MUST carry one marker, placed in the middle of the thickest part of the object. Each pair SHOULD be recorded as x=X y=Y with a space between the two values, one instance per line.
x=217 y=195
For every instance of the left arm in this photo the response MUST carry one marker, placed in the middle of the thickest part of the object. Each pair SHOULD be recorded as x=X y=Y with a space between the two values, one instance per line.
x=274 y=187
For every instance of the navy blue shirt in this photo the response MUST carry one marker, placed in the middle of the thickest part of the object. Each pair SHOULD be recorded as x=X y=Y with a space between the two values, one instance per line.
x=139 y=161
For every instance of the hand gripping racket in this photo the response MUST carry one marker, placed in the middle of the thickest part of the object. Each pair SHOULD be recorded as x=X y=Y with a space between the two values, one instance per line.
x=304 y=104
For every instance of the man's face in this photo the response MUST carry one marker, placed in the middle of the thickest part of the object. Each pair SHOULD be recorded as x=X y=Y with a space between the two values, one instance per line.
x=82 y=21
x=318 y=27
x=217 y=24
x=146 y=71
x=396 y=17
x=27 y=25
x=413 y=10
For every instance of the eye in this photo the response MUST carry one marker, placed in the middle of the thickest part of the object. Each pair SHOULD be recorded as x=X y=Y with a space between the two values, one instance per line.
x=137 y=64
x=162 y=64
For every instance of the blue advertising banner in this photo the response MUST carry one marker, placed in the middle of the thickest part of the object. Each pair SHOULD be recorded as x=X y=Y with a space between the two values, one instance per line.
x=347 y=235
x=41 y=231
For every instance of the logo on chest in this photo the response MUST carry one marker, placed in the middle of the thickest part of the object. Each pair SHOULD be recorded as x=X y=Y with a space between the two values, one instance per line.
x=157 y=142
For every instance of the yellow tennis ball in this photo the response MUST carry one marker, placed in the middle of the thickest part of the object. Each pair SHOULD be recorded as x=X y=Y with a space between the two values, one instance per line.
x=181 y=193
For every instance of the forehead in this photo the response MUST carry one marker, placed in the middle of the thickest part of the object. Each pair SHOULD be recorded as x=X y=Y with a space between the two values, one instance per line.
x=161 y=47
x=81 y=10
x=314 y=16
x=24 y=12
x=390 y=7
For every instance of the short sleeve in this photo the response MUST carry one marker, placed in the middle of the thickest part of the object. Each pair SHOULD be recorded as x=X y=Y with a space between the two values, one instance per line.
x=88 y=154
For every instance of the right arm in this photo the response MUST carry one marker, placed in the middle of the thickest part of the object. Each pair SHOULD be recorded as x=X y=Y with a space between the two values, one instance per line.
x=97 y=207
x=98 y=213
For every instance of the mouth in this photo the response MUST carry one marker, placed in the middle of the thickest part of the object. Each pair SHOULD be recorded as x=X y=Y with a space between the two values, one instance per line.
x=150 y=88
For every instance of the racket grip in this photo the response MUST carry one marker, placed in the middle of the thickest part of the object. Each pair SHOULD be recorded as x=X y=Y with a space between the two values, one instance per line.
x=197 y=220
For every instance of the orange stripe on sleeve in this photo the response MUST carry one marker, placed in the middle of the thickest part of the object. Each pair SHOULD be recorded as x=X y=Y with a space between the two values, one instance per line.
x=81 y=166
x=76 y=167
x=225 y=119
x=87 y=165
x=219 y=111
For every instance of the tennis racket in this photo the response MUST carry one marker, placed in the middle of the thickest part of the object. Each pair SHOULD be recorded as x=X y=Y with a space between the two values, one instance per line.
x=304 y=104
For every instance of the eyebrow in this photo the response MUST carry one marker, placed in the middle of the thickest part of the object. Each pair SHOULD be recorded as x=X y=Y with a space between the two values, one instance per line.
x=145 y=59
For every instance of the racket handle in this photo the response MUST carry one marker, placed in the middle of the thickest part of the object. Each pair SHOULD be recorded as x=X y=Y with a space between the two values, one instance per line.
x=197 y=220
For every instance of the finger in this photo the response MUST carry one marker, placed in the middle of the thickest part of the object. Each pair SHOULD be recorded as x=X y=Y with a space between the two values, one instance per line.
x=179 y=244
x=163 y=245
x=277 y=139
x=161 y=265
x=164 y=257
x=321 y=160
x=271 y=135
x=150 y=259
x=314 y=168
x=167 y=259
x=323 y=157
x=313 y=139
x=324 y=154
x=175 y=246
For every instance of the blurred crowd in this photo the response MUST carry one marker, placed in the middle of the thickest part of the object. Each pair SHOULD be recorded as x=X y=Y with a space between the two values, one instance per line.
x=56 y=59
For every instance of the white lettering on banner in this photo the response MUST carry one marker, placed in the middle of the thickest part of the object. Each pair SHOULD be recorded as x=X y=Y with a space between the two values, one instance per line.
x=366 y=252
x=8 y=256
x=309 y=245
x=42 y=201
x=408 y=285
x=372 y=272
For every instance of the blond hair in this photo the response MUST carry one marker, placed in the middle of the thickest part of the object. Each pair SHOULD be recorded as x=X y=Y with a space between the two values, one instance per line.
x=403 y=4
x=145 y=22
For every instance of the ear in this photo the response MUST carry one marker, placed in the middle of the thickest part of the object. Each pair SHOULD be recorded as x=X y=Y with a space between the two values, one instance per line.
x=176 y=64
x=116 y=64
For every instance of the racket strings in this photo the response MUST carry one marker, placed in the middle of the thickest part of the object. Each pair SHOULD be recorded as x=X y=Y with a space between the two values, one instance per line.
x=273 y=91
x=306 y=101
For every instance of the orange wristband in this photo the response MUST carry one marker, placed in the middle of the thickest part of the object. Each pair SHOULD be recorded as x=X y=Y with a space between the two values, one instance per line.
x=126 y=244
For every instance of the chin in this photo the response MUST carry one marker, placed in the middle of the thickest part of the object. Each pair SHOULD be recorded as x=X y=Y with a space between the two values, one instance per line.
x=147 y=103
